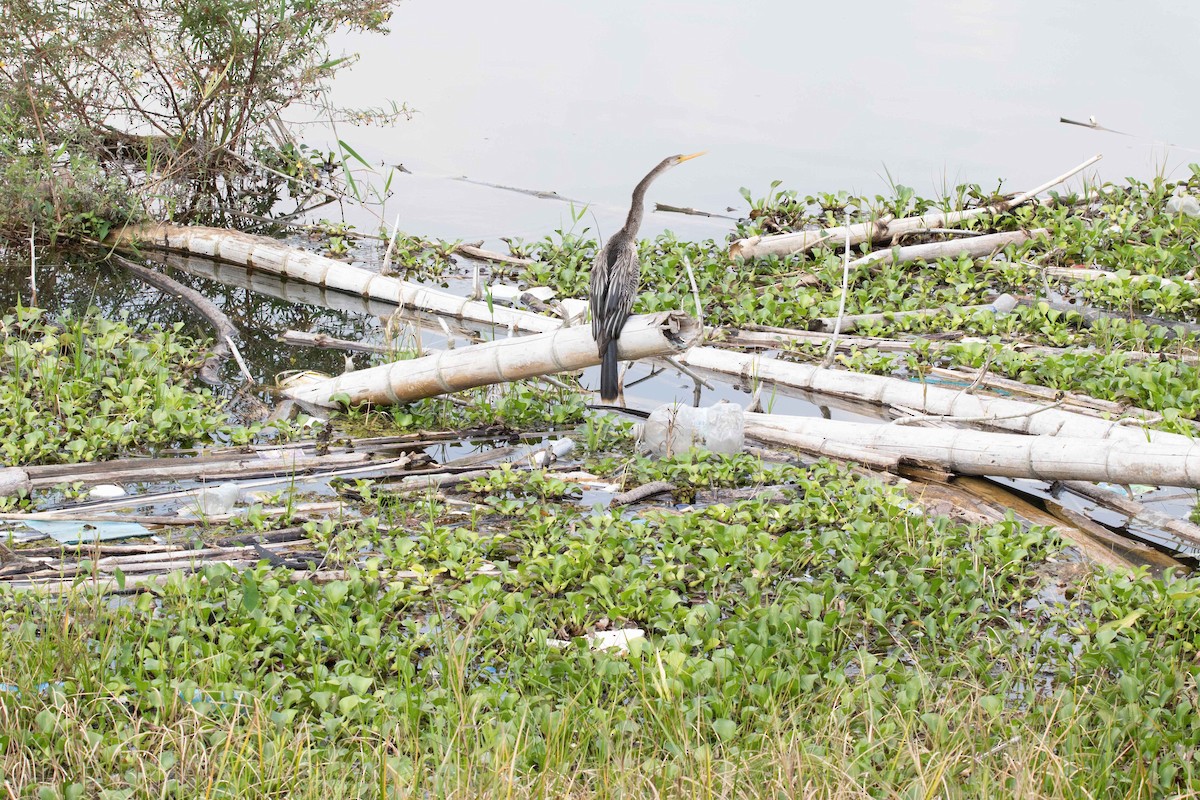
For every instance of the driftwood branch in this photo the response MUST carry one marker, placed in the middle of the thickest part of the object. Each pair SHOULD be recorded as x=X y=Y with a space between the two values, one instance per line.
x=642 y=492
x=1187 y=532
x=487 y=255
x=225 y=330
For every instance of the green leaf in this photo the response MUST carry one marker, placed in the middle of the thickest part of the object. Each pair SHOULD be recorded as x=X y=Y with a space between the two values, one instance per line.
x=250 y=593
x=354 y=154
x=726 y=729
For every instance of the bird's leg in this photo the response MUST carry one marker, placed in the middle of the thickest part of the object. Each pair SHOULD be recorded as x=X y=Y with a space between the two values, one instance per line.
x=621 y=383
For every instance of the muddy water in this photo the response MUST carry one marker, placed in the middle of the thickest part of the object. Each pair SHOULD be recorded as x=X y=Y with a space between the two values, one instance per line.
x=582 y=98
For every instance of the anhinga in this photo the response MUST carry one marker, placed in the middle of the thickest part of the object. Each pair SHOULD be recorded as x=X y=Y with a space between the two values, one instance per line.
x=614 y=282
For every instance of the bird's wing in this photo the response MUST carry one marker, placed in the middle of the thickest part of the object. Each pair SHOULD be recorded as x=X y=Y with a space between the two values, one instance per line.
x=622 y=286
x=598 y=286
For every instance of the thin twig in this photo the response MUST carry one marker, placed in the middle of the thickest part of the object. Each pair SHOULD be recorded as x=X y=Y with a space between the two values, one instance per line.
x=32 y=264
x=687 y=262
x=837 y=326
x=386 y=267
x=915 y=418
x=237 y=356
x=688 y=371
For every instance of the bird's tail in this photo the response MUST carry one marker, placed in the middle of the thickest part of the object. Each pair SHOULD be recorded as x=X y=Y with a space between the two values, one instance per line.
x=608 y=374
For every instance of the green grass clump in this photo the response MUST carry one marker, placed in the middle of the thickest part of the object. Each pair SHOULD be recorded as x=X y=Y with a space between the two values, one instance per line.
x=832 y=643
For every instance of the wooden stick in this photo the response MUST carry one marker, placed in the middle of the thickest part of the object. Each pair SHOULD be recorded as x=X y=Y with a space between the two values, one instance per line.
x=1158 y=561
x=206 y=468
x=487 y=255
x=690 y=211
x=997 y=502
x=642 y=492
x=306 y=339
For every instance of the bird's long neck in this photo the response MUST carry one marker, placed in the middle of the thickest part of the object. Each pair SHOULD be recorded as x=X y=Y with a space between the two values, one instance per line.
x=637 y=208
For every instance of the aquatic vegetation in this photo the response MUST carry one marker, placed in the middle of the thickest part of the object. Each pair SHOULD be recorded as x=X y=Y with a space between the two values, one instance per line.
x=831 y=638
x=516 y=406
x=83 y=388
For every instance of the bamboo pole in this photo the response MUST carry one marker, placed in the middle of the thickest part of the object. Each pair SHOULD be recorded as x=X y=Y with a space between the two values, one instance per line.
x=1001 y=305
x=502 y=360
x=1004 y=454
x=1012 y=415
x=883 y=229
x=267 y=255
x=975 y=248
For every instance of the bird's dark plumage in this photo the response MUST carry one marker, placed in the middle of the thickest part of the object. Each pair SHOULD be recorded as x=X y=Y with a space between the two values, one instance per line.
x=614 y=282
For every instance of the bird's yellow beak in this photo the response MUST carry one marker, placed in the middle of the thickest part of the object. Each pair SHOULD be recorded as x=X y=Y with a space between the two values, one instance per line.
x=691 y=156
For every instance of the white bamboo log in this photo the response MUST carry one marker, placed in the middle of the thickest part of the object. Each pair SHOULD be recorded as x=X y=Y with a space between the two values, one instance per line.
x=14 y=481
x=1009 y=455
x=267 y=255
x=955 y=248
x=1001 y=305
x=1086 y=274
x=1013 y=415
x=503 y=360
x=787 y=243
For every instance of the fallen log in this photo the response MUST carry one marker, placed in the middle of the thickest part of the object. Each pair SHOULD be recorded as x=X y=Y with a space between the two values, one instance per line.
x=994 y=504
x=975 y=247
x=498 y=361
x=883 y=229
x=1186 y=532
x=1050 y=458
x=1158 y=561
x=1013 y=415
x=225 y=330
x=642 y=492
x=1001 y=305
x=267 y=255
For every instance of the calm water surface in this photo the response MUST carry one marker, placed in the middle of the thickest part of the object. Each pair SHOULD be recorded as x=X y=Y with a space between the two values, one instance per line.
x=582 y=98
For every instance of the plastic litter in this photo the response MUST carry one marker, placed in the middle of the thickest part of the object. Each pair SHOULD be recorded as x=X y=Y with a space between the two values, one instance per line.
x=605 y=640
x=73 y=531
x=107 y=491
x=675 y=428
x=1183 y=203
x=212 y=501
